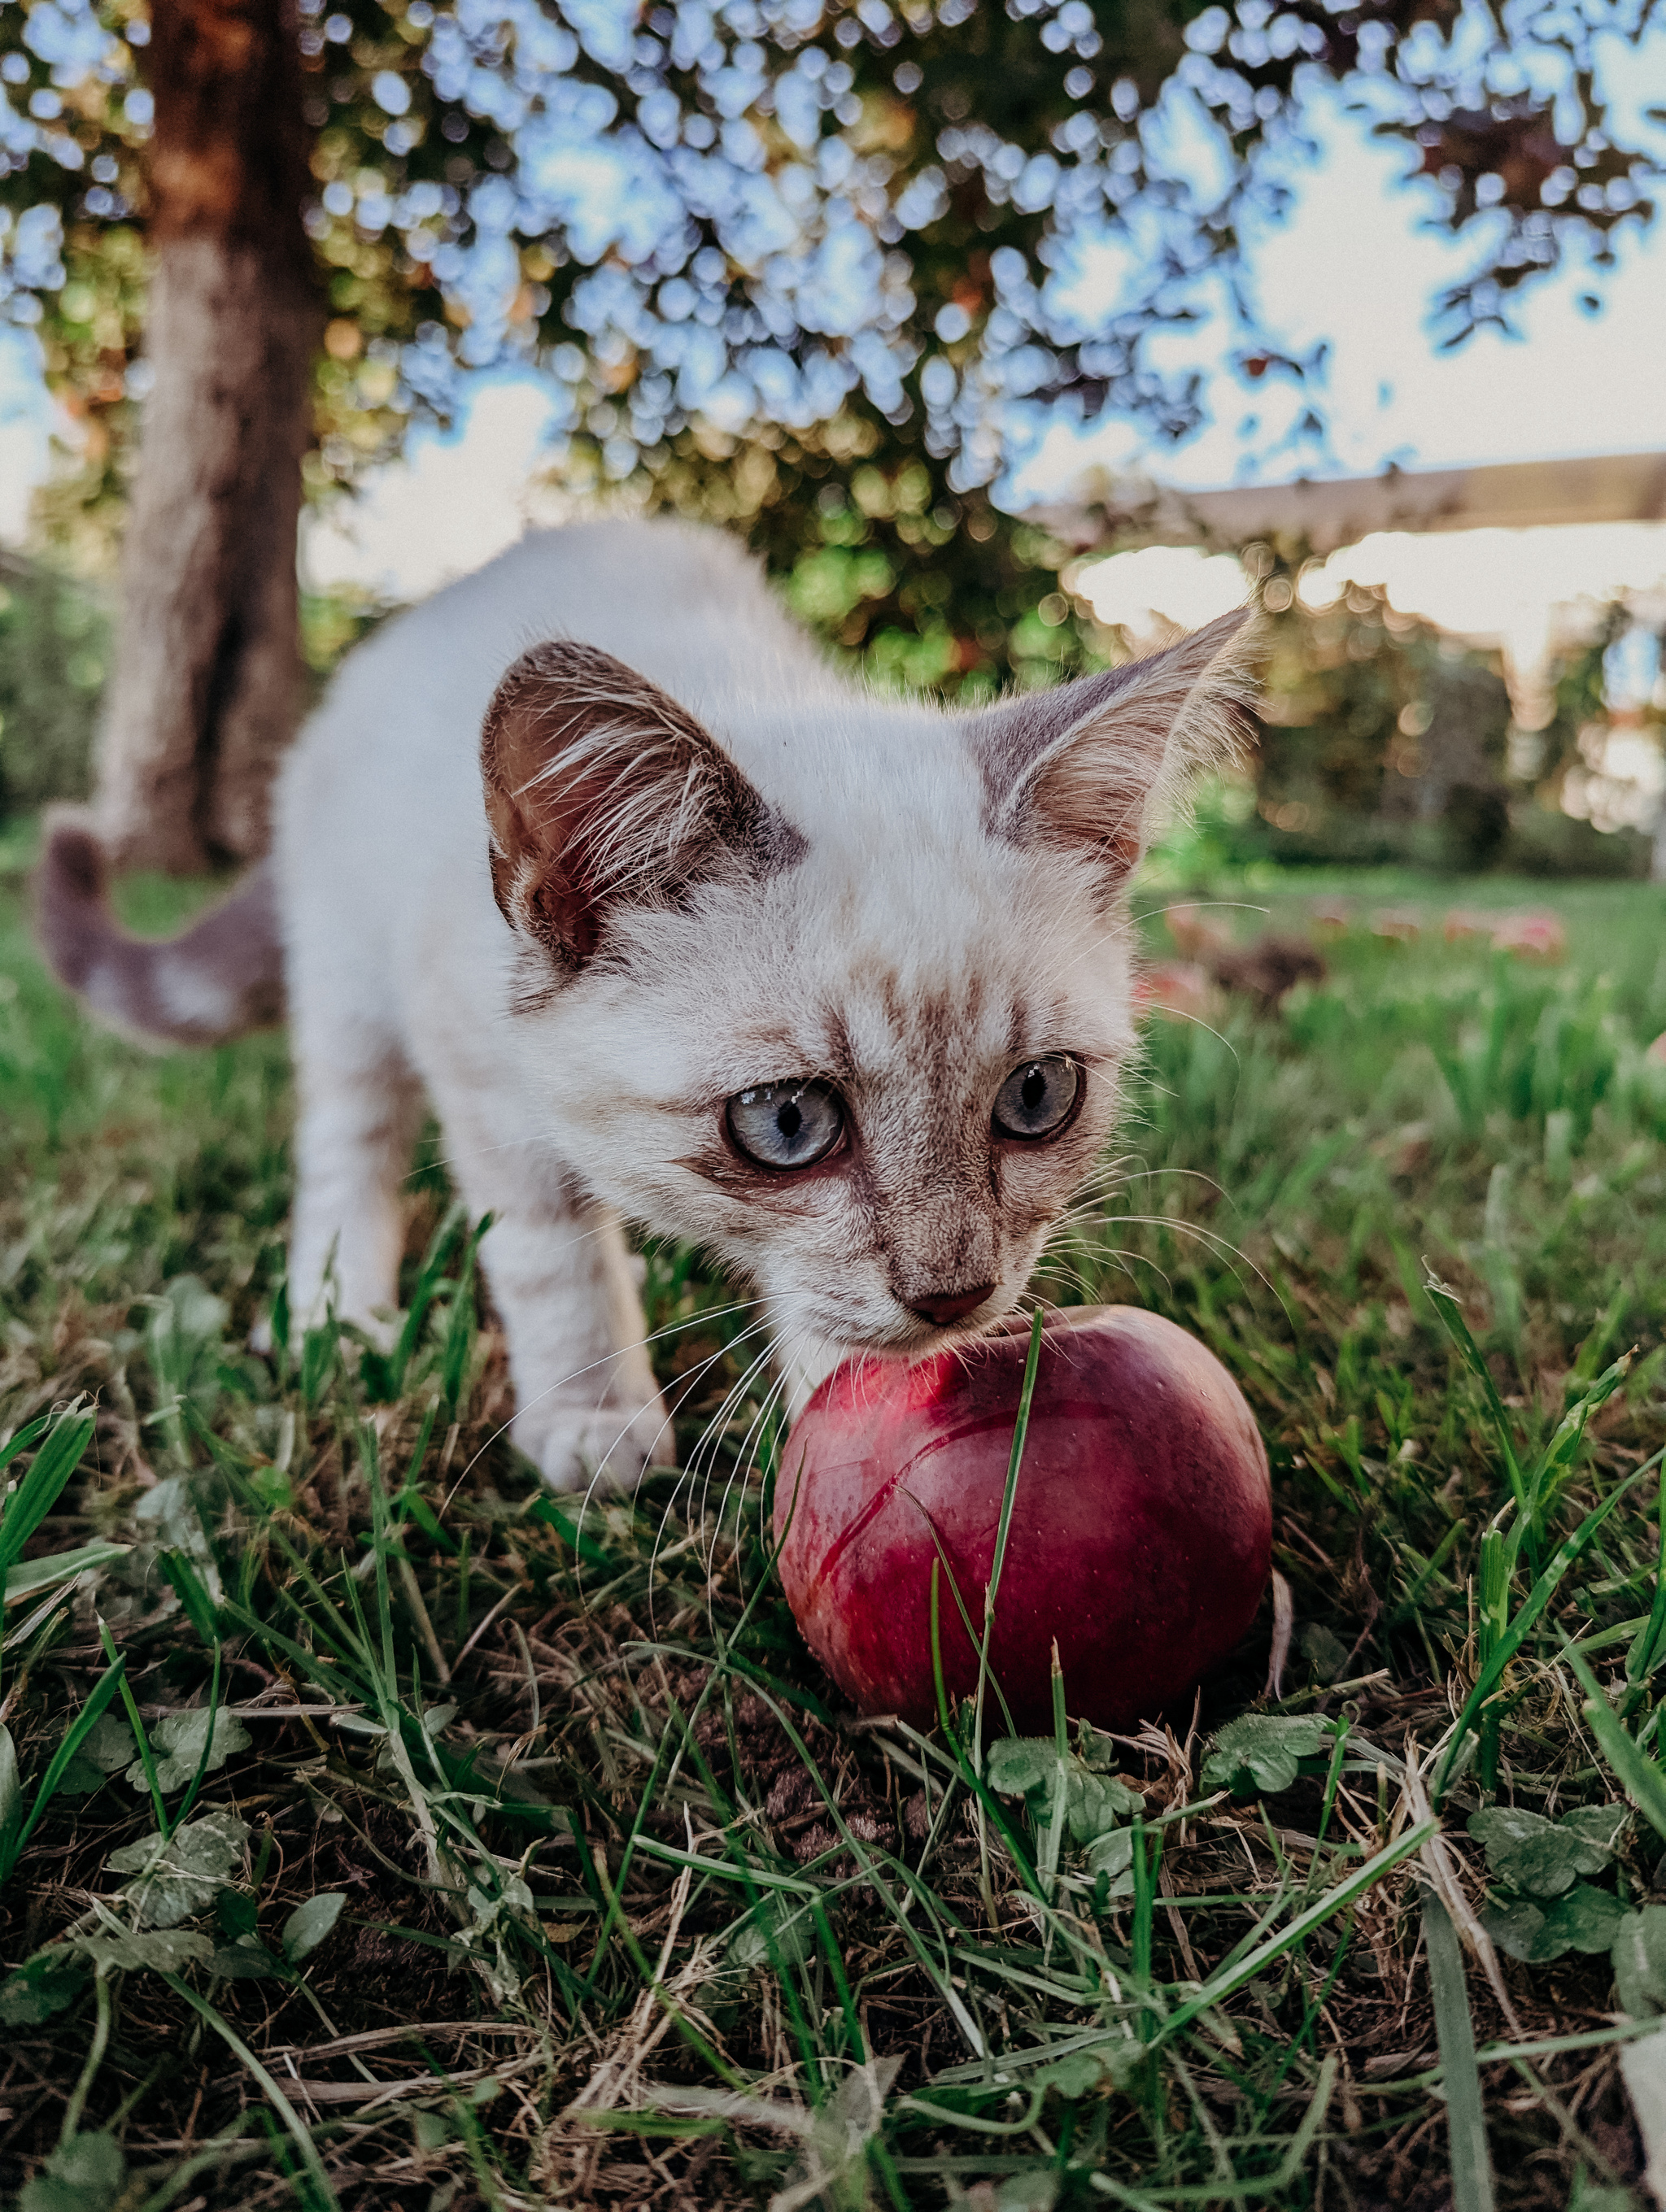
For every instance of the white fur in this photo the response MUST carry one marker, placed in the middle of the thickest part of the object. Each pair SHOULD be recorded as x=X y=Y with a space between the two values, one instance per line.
x=596 y=1104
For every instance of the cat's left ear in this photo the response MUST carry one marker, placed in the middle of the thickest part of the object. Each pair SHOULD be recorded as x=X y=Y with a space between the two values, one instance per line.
x=602 y=793
x=1092 y=767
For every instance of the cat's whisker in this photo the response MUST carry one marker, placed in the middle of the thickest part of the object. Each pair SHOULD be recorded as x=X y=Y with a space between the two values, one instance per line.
x=1204 y=906
x=686 y=1384
x=710 y=1437
x=1222 y=1247
x=745 y=1459
x=577 y=1374
x=686 y=1475
x=1191 y=1175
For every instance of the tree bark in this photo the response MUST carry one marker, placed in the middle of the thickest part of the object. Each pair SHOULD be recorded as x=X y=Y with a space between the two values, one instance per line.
x=208 y=676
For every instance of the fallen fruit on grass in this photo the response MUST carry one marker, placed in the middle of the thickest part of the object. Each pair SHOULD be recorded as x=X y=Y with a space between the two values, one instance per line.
x=1198 y=935
x=1464 y=923
x=1401 y=924
x=1140 y=1535
x=1538 y=936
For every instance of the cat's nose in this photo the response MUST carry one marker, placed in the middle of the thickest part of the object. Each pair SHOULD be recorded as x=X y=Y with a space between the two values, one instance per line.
x=948 y=1306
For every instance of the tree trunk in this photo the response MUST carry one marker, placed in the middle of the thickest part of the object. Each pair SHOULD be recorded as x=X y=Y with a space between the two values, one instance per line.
x=208 y=676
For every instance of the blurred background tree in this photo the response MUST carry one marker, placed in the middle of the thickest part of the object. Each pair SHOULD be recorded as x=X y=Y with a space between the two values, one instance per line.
x=811 y=269
x=54 y=653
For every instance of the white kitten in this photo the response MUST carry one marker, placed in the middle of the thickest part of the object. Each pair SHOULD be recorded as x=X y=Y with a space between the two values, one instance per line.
x=697 y=934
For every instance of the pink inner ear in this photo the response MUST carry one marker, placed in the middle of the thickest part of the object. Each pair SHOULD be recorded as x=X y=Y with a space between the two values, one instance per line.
x=555 y=899
x=538 y=818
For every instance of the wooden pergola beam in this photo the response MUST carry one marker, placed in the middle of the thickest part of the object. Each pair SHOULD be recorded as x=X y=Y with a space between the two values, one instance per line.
x=1510 y=496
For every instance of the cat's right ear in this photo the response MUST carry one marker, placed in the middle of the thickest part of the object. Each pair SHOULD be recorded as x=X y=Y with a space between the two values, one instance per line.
x=601 y=790
x=1090 y=767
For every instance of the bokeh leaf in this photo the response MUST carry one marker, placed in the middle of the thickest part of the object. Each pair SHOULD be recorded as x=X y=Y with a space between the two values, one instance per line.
x=772 y=1923
x=11 y=1789
x=1639 y=1962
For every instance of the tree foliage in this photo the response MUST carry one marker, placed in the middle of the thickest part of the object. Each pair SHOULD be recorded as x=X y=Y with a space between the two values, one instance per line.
x=820 y=268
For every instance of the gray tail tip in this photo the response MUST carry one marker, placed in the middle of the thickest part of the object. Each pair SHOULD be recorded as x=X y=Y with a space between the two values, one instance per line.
x=71 y=915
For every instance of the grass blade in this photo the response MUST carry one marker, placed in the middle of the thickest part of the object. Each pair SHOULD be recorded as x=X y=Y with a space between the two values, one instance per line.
x=1021 y=1430
x=1471 y=2161
x=30 y=1575
x=1638 y=1776
x=11 y=1849
x=1219 y=1987
x=1537 y=1599
x=22 y=1513
x=275 y=2096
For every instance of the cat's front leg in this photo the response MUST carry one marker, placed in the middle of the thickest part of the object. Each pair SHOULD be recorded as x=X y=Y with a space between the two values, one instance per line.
x=587 y=1407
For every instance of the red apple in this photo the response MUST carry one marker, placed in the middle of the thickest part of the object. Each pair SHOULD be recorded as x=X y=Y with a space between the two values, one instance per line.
x=1141 y=1531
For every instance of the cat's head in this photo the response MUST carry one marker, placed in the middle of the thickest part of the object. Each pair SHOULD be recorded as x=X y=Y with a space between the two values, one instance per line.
x=853 y=1019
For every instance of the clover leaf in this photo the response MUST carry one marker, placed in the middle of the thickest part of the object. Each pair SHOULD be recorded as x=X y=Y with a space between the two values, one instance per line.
x=105 y=1750
x=1546 y=1857
x=1095 y=1803
x=1584 y=1919
x=1639 y=1962
x=44 y=1986
x=1028 y=1767
x=1262 y=1752
x=1018 y=1764
x=185 y=1874
x=1112 y=1856
x=245 y=1961
x=178 y=1741
x=1600 y=1825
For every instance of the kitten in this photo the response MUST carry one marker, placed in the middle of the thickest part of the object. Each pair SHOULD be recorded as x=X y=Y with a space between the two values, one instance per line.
x=669 y=923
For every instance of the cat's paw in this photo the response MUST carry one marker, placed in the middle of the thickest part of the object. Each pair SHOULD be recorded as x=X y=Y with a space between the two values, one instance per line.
x=608 y=1446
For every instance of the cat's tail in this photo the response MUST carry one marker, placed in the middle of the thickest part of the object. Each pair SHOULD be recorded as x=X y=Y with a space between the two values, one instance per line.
x=220 y=978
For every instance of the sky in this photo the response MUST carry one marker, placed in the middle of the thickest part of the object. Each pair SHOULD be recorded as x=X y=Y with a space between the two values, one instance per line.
x=1356 y=264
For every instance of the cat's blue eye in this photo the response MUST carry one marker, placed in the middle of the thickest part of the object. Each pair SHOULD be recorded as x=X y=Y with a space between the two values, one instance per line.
x=1038 y=1098
x=786 y=1125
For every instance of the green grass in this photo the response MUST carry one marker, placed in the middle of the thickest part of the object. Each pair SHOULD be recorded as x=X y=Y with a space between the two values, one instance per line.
x=530 y=1860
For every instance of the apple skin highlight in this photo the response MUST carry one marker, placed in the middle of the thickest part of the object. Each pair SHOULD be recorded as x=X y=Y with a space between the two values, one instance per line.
x=1141 y=1530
